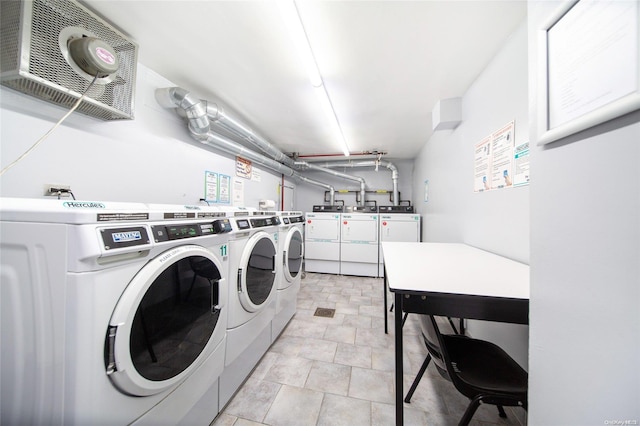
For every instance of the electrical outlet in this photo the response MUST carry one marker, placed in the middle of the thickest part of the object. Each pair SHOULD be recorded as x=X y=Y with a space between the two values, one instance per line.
x=56 y=190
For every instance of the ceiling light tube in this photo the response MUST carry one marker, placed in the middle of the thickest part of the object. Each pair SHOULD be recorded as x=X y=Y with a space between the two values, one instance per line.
x=330 y=113
x=289 y=13
x=291 y=17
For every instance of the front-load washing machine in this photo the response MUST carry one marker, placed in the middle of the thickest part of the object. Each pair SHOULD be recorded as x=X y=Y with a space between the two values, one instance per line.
x=290 y=253
x=109 y=316
x=253 y=269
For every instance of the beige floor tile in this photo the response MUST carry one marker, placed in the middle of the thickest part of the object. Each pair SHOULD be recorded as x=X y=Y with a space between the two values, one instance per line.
x=253 y=400
x=294 y=407
x=353 y=355
x=329 y=378
x=318 y=349
x=340 y=370
x=343 y=411
x=340 y=334
x=372 y=385
x=289 y=370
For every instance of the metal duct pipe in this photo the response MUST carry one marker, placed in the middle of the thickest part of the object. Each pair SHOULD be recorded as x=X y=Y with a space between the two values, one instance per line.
x=235 y=127
x=371 y=163
x=234 y=148
x=195 y=110
x=313 y=166
x=332 y=191
x=198 y=113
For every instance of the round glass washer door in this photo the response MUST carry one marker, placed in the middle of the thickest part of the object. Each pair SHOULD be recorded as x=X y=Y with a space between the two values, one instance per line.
x=162 y=326
x=293 y=253
x=257 y=272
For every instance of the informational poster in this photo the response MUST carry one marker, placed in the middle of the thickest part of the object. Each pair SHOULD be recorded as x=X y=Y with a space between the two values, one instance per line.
x=494 y=160
x=243 y=168
x=224 y=191
x=256 y=175
x=238 y=192
x=481 y=164
x=521 y=165
x=502 y=157
x=211 y=187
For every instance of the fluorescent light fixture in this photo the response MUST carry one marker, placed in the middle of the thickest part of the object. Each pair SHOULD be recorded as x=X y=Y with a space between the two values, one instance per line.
x=291 y=17
x=289 y=13
x=323 y=97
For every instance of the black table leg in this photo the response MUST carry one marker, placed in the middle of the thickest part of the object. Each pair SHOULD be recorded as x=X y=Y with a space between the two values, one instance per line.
x=399 y=366
x=384 y=284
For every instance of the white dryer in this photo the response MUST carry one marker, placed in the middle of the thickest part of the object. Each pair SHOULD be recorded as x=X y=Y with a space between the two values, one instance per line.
x=359 y=242
x=290 y=255
x=397 y=224
x=253 y=269
x=322 y=240
x=109 y=317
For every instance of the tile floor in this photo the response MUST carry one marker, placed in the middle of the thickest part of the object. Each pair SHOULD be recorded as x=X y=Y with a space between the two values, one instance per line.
x=340 y=370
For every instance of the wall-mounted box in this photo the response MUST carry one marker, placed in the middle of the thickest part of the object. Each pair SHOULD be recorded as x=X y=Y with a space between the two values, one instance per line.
x=447 y=114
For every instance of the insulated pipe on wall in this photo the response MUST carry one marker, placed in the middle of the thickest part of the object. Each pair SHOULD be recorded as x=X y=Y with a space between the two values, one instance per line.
x=195 y=110
x=371 y=163
x=237 y=128
x=313 y=166
x=198 y=113
x=234 y=148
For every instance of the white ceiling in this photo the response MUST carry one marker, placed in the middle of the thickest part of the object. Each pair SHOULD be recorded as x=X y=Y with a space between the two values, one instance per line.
x=385 y=64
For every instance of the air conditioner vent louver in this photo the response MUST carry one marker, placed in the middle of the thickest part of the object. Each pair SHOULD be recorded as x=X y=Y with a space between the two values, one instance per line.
x=34 y=35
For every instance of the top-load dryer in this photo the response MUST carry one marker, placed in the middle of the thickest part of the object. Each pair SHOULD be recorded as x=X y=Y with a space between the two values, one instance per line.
x=359 y=241
x=253 y=269
x=290 y=254
x=322 y=239
x=110 y=314
x=397 y=224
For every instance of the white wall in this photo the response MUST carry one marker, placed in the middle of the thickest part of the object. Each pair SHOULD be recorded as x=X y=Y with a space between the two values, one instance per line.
x=496 y=221
x=150 y=159
x=585 y=269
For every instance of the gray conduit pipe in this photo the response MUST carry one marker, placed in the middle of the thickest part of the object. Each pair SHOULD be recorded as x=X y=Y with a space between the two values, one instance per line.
x=198 y=112
x=313 y=166
x=371 y=163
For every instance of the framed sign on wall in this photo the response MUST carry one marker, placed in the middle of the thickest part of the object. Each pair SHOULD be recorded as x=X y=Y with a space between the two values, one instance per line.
x=589 y=66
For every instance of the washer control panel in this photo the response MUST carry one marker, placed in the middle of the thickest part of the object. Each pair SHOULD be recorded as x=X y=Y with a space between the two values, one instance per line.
x=189 y=230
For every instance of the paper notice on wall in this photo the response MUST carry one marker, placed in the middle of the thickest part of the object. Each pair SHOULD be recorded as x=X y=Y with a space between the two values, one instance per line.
x=502 y=157
x=521 y=165
x=211 y=187
x=482 y=163
x=494 y=160
x=243 y=167
x=224 y=192
x=238 y=192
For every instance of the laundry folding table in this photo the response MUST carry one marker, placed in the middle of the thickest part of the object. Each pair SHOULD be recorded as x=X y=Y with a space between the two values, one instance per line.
x=453 y=280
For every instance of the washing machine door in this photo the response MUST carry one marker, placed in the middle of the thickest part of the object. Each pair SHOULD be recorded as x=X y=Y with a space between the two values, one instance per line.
x=257 y=271
x=161 y=327
x=292 y=255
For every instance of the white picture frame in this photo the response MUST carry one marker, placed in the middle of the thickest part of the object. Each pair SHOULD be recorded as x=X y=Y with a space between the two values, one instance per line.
x=576 y=90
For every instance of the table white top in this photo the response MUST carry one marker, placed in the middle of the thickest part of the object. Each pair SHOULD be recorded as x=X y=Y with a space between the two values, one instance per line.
x=453 y=269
